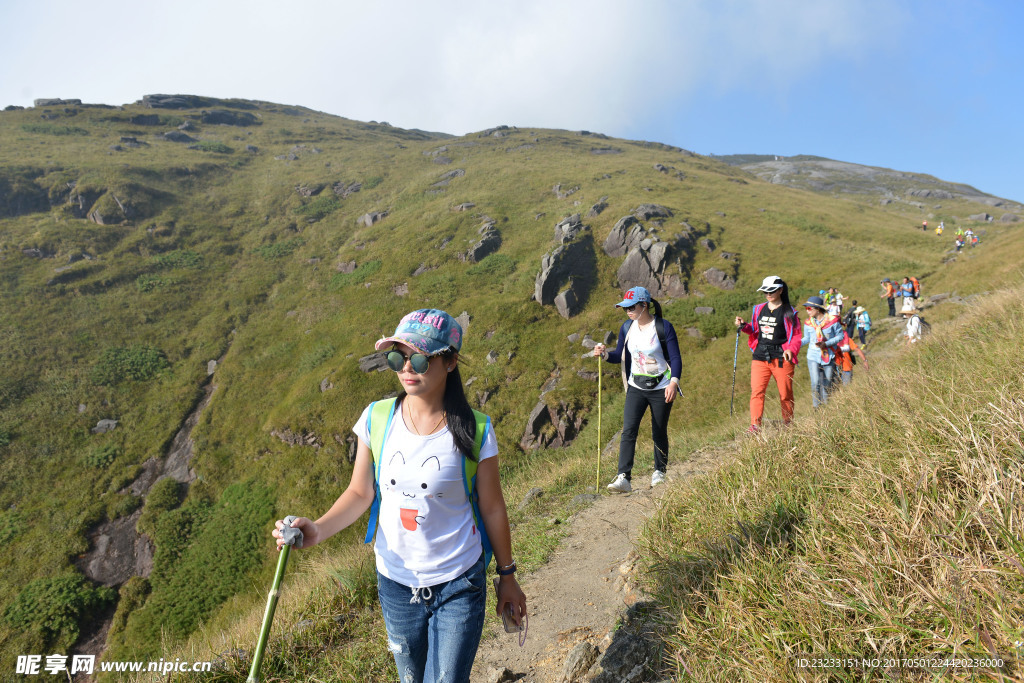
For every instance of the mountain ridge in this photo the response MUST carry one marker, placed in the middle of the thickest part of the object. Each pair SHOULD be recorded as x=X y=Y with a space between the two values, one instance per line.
x=282 y=245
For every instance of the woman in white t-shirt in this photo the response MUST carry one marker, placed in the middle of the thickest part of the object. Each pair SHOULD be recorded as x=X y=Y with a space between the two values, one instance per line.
x=429 y=552
x=652 y=365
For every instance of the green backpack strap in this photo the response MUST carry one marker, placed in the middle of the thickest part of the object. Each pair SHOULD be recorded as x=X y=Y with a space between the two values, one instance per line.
x=381 y=415
x=469 y=467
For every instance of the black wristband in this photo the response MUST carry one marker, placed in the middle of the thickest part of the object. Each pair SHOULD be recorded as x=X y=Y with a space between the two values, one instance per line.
x=507 y=570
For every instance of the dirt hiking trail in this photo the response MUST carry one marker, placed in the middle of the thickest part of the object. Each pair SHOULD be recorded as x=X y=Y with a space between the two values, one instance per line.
x=589 y=581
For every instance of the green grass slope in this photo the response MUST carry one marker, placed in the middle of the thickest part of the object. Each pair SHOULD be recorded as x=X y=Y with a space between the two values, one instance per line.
x=884 y=528
x=128 y=261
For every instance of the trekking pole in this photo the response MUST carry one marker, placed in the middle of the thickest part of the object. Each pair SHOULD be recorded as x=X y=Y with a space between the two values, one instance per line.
x=597 y=485
x=291 y=536
x=735 y=353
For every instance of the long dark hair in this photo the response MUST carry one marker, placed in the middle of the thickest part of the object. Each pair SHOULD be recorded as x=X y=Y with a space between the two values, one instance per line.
x=787 y=308
x=457 y=411
x=657 y=307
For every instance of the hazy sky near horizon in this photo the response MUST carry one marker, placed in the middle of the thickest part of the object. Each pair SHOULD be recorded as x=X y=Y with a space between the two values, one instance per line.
x=929 y=86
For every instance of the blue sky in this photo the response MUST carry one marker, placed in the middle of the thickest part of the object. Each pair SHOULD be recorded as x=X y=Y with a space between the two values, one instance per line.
x=931 y=87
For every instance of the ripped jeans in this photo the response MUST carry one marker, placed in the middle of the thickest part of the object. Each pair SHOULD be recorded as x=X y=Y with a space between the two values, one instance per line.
x=434 y=632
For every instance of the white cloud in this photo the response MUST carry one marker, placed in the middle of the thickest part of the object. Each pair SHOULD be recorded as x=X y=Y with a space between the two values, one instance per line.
x=458 y=66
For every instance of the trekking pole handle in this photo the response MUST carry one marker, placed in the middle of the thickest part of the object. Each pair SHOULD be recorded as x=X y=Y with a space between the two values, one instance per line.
x=289 y=534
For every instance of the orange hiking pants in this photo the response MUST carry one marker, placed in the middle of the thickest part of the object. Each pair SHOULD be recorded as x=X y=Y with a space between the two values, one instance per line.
x=761 y=371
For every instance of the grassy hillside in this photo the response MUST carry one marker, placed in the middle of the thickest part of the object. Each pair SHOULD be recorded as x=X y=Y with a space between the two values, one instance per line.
x=872 y=529
x=128 y=261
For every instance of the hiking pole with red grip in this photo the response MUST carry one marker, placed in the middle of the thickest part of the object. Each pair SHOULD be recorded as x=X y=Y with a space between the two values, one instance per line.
x=291 y=536
x=735 y=354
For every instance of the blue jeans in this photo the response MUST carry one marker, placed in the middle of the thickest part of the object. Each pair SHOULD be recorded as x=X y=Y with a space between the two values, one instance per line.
x=434 y=639
x=821 y=382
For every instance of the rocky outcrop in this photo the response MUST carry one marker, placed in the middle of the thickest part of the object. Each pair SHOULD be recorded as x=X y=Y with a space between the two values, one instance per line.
x=719 y=279
x=598 y=208
x=649 y=259
x=633 y=648
x=1009 y=218
x=980 y=217
x=173 y=101
x=550 y=427
x=229 y=118
x=343 y=189
x=567 y=272
x=490 y=242
x=626 y=234
x=373 y=362
x=178 y=136
x=367 y=220
x=646 y=212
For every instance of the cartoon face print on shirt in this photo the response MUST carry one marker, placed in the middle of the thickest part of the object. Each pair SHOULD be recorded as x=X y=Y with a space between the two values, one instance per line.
x=411 y=486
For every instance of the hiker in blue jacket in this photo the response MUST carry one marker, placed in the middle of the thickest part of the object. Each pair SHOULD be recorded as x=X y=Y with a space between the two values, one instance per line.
x=650 y=348
x=431 y=553
x=822 y=335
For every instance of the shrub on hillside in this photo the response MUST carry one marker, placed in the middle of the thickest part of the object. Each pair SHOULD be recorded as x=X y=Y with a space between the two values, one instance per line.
x=165 y=495
x=133 y=595
x=51 y=608
x=179 y=258
x=320 y=207
x=229 y=536
x=137 y=363
x=276 y=250
x=102 y=457
x=357 y=276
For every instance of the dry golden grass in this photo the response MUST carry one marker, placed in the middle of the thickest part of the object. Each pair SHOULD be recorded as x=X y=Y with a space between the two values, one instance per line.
x=888 y=525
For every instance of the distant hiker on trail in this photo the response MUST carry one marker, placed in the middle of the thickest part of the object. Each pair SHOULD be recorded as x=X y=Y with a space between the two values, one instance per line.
x=850 y=319
x=648 y=345
x=427 y=469
x=890 y=295
x=924 y=226
x=914 y=323
x=846 y=360
x=906 y=289
x=822 y=334
x=774 y=337
x=833 y=303
x=863 y=324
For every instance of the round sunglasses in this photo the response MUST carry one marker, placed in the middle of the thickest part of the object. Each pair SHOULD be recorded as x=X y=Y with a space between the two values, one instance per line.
x=397 y=359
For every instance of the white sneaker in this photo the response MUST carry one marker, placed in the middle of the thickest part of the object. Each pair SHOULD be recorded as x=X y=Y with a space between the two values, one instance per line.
x=620 y=485
x=657 y=478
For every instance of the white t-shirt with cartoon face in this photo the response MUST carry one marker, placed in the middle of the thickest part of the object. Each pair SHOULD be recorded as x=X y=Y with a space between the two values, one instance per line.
x=426 y=534
x=646 y=356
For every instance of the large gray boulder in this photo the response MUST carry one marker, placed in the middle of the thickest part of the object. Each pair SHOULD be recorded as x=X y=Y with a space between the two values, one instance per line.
x=567 y=272
x=719 y=279
x=367 y=220
x=646 y=212
x=490 y=242
x=626 y=234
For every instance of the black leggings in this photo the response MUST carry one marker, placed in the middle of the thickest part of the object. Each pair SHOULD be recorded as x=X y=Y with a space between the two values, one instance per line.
x=637 y=402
